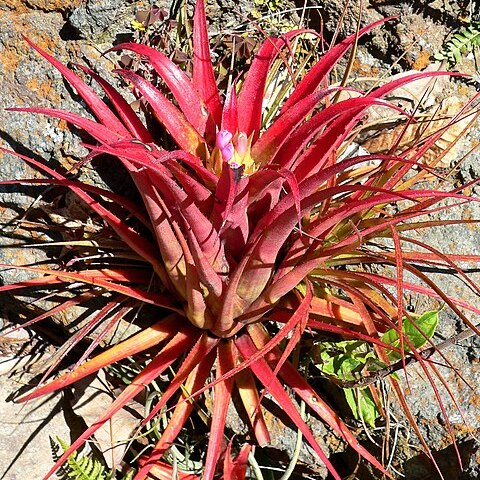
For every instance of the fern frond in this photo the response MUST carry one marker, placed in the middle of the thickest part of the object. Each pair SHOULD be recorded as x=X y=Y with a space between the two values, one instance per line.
x=79 y=467
x=58 y=447
x=460 y=44
x=86 y=468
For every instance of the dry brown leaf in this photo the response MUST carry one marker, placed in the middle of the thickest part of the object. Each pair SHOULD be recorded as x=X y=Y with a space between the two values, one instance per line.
x=446 y=148
x=436 y=115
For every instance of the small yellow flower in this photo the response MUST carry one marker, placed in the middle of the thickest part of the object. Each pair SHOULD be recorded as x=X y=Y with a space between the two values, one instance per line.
x=136 y=25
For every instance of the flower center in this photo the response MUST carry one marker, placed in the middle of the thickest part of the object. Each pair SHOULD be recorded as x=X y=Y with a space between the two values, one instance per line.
x=233 y=149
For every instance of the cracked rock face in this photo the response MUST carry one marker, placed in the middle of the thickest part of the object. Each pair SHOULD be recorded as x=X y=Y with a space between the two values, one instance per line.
x=79 y=31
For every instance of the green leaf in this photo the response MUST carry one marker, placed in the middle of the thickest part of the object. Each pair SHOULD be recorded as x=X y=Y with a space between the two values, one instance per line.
x=460 y=44
x=426 y=323
x=79 y=467
x=344 y=359
x=361 y=403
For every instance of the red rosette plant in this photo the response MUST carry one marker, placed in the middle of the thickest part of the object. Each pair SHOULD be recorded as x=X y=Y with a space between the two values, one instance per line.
x=246 y=231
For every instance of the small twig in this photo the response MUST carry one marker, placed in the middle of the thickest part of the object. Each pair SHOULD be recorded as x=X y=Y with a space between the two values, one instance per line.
x=399 y=365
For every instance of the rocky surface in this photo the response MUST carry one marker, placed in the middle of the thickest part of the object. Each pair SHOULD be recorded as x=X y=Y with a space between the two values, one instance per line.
x=25 y=428
x=78 y=32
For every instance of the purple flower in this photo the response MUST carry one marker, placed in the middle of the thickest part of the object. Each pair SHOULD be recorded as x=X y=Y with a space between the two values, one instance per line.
x=227 y=152
x=224 y=138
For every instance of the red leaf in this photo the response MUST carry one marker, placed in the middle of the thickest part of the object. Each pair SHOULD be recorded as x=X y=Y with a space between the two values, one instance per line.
x=40 y=281
x=295 y=191
x=126 y=203
x=272 y=140
x=236 y=469
x=322 y=68
x=174 y=349
x=222 y=395
x=95 y=129
x=101 y=334
x=274 y=342
x=123 y=108
x=101 y=111
x=189 y=217
x=196 y=310
x=147 y=297
x=175 y=122
x=247 y=389
x=288 y=156
x=266 y=248
x=249 y=280
x=294 y=380
x=207 y=274
x=208 y=178
x=230 y=111
x=199 y=352
x=182 y=411
x=264 y=373
x=200 y=195
x=265 y=187
x=76 y=337
x=164 y=471
x=302 y=313
x=313 y=159
x=203 y=76
x=284 y=331
x=177 y=81
x=43 y=281
x=135 y=241
x=139 y=342
x=226 y=194
x=162 y=221
x=250 y=99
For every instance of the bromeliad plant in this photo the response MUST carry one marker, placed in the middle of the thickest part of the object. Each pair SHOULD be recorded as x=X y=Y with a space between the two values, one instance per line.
x=251 y=236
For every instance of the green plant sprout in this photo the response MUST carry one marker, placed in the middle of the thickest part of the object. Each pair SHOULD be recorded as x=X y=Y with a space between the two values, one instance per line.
x=348 y=360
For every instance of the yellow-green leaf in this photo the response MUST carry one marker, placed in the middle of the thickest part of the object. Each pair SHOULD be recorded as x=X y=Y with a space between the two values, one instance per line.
x=426 y=323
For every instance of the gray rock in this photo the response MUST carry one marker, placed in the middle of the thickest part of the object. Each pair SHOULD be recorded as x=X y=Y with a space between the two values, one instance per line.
x=98 y=20
x=101 y=21
x=25 y=430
